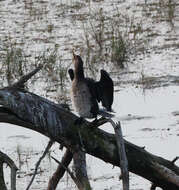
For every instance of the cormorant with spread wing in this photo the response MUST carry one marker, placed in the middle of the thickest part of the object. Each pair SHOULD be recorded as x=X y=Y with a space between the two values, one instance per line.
x=86 y=93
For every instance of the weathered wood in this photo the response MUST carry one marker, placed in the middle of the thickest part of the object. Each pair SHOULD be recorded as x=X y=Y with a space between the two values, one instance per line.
x=79 y=166
x=58 y=174
x=28 y=110
x=5 y=159
x=20 y=83
x=2 y=181
x=122 y=154
x=166 y=173
x=175 y=159
x=59 y=126
x=69 y=172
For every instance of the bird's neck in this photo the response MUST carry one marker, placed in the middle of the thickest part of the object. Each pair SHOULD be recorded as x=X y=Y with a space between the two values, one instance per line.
x=79 y=73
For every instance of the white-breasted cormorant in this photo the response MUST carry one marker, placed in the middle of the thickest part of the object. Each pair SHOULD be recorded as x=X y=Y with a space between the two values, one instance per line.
x=86 y=92
x=83 y=93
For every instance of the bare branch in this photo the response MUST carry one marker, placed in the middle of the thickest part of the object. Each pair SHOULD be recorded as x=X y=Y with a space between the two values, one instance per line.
x=25 y=78
x=2 y=181
x=5 y=159
x=50 y=143
x=68 y=170
x=58 y=174
x=122 y=154
x=175 y=159
x=80 y=178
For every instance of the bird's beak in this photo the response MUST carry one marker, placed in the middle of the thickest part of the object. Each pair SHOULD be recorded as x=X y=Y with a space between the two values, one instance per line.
x=74 y=59
x=74 y=55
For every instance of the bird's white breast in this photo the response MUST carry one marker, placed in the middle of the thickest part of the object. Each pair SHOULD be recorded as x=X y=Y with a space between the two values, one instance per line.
x=81 y=99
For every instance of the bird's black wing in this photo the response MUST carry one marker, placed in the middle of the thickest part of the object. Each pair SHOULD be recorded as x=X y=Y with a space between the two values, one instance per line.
x=93 y=91
x=71 y=74
x=105 y=90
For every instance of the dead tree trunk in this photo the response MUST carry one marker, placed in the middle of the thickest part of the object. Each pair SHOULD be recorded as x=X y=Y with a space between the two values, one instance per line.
x=31 y=111
x=79 y=165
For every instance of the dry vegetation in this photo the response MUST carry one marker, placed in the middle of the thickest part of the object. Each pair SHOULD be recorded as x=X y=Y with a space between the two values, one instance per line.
x=108 y=38
x=113 y=41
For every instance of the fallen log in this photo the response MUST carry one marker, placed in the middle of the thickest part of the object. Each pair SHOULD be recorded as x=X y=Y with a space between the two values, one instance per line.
x=29 y=110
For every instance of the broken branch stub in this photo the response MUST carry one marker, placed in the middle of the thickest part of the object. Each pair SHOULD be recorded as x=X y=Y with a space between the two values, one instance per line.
x=121 y=153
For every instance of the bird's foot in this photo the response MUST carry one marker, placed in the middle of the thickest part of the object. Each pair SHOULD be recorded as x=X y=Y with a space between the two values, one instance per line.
x=79 y=121
x=98 y=122
x=95 y=121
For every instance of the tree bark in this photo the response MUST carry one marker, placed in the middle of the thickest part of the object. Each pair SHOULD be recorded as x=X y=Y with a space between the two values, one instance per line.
x=31 y=111
x=122 y=154
x=79 y=165
x=5 y=159
x=2 y=182
x=58 y=174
